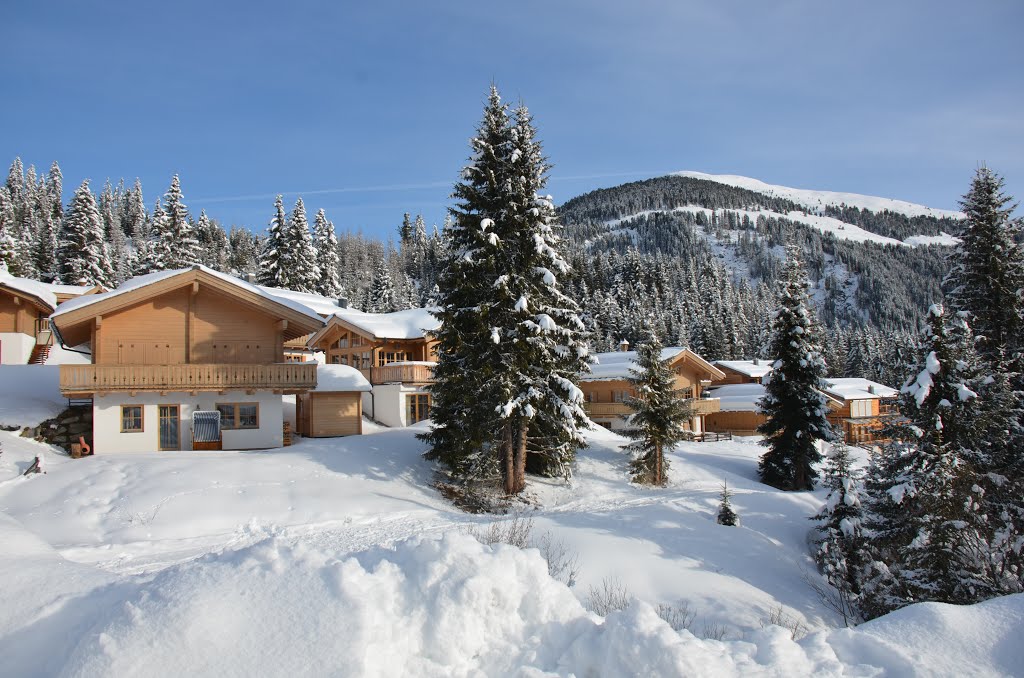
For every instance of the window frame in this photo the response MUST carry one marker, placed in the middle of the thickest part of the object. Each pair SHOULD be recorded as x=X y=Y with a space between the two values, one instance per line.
x=142 y=419
x=410 y=409
x=236 y=416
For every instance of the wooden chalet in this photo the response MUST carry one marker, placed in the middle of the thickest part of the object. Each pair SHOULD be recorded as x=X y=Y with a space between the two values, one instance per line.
x=393 y=351
x=607 y=388
x=168 y=344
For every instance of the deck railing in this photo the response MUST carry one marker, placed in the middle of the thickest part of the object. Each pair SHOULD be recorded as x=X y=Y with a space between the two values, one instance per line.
x=216 y=377
x=413 y=373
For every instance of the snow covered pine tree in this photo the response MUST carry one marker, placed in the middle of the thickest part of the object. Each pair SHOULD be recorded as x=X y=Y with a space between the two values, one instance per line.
x=659 y=414
x=511 y=344
x=793 y=401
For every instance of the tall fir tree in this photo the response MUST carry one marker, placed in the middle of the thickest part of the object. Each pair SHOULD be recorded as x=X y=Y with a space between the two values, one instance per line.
x=382 y=291
x=659 y=417
x=177 y=232
x=929 y=538
x=326 y=245
x=510 y=343
x=305 y=272
x=794 y=402
x=8 y=253
x=840 y=545
x=82 y=255
x=274 y=262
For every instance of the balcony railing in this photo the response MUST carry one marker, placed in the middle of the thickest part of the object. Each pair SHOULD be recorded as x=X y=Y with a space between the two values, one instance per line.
x=81 y=379
x=413 y=373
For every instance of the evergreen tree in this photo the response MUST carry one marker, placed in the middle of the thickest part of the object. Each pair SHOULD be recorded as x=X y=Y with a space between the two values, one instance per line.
x=326 y=245
x=930 y=541
x=245 y=251
x=987 y=274
x=82 y=257
x=793 y=401
x=839 y=548
x=305 y=272
x=726 y=515
x=382 y=292
x=510 y=344
x=55 y=191
x=8 y=253
x=275 y=263
x=179 y=242
x=659 y=414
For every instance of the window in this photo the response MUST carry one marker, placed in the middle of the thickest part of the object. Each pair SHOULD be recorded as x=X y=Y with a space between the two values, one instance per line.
x=621 y=396
x=131 y=418
x=417 y=408
x=335 y=360
x=393 y=357
x=239 y=415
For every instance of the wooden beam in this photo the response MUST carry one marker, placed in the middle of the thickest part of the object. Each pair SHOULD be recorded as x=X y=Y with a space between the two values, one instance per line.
x=195 y=287
x=282 y=324
x=99 y=321
x=17 y=301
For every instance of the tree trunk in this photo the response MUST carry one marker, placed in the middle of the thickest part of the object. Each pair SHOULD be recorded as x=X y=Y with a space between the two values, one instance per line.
x=507 y=461
x=520 y=456
x=657 y=464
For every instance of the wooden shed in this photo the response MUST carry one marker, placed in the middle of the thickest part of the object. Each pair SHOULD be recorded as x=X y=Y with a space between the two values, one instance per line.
x=335 y=407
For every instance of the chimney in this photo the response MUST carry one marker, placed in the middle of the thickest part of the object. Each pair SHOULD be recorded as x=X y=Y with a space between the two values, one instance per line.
x=871 y=389
x=342 y=302
x=250 y=278
x=757 y=361
x=623 y=345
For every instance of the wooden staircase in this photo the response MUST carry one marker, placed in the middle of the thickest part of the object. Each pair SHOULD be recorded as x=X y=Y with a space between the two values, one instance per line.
x=39 y=354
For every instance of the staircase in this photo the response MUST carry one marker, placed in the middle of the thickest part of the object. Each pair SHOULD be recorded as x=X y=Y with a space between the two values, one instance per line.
x=39 y=354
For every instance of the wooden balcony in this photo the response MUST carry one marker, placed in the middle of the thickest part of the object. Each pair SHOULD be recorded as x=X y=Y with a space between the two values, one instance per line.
x=407 y=373
x=82 y=380
x=701 y=406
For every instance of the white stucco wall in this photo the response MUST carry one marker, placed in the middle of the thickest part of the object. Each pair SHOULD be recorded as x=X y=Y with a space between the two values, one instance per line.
x=107 y=436
x=15 y=348
x=386 y=403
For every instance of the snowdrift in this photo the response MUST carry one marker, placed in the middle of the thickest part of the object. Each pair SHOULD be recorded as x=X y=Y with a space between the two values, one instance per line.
x=449 y=606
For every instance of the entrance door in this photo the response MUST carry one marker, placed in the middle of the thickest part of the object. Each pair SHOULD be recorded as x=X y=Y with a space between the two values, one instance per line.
x=169 y=427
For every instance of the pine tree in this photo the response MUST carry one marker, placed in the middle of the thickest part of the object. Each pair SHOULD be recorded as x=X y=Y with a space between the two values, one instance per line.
x=55 y=190
x=987 y=273
x=839 y=548
x=305 y=272
x=274 y=263
x=82 y=257
x=659 y=414
x=793 y=401
x=930 y=541
x=176 y=231
x=382 y=292
x=726 y=515
x=326 y=245
x=510 y=344
x=8 y=253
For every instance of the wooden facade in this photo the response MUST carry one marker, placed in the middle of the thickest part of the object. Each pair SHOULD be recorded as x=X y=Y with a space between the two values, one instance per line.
x=740 y=423
x=191 y=331
x=327 y=414
x=381 y=360
x=19 y=313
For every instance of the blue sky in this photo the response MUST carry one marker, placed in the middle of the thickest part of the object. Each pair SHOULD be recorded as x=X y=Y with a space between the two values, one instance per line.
x=366 y=110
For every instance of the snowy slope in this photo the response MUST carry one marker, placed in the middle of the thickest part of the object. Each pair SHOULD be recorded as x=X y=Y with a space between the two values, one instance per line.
x=337 y=556
x=815 y=200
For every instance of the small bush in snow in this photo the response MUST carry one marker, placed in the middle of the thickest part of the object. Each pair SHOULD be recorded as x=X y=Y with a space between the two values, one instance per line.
x=563 y=562
x=610 y=596
x=778 y=617
x=679 y=616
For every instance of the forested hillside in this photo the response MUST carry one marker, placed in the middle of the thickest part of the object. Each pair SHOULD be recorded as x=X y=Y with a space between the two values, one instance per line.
x=693 y=258
x=698 y=259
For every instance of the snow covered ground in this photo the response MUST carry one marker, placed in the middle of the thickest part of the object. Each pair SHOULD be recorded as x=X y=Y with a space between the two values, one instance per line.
x=337 y=556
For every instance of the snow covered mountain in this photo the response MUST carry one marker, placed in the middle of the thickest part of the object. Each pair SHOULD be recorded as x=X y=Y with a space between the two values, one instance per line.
x=818 y=200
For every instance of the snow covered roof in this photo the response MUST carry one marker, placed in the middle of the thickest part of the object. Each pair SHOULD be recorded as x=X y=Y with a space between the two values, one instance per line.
x=413 y=323
x=617 y=365
x=43 y=292
x=859 y=389
x=323 y=305
x=751 y=368
x=738 y=397
x=141 y=281
x=340 y=378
